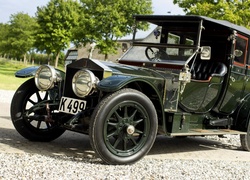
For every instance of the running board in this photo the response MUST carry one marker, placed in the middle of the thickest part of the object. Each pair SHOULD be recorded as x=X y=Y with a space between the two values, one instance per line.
x=205 y=132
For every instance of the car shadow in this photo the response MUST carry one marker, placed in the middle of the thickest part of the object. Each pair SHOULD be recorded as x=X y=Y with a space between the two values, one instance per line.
x=165 y=144
x=78 y=146
x=69 y=144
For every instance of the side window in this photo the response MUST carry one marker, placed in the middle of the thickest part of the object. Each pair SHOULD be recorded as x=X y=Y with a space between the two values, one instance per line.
x=173 y=39
x=241 y=46
x=188 y=52
x=177 y=40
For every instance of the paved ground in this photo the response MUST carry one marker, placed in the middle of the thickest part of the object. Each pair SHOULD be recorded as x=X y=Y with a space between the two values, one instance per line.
x=74 y=144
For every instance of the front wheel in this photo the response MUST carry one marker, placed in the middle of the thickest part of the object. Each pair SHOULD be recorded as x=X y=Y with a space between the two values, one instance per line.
x=123 y=127
x=28 y=113
x=245 y=139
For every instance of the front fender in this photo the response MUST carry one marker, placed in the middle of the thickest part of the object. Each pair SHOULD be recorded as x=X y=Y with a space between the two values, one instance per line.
x=31 y=71
x=27 y=72
x=114 y=83
x=152 y=87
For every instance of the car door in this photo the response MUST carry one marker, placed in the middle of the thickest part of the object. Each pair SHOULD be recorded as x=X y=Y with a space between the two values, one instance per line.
x=240 y=74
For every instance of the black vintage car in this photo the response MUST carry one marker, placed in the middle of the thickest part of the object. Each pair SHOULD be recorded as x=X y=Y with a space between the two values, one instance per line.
x=189 y=77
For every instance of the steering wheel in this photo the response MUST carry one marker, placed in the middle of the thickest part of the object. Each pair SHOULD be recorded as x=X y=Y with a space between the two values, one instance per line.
x=155 y=54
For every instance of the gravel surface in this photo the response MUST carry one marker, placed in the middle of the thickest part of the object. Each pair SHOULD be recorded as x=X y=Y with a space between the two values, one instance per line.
x=36 y=166
x=27 y=166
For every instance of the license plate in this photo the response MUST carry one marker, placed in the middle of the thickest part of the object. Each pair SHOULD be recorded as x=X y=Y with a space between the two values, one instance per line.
x=71 y=106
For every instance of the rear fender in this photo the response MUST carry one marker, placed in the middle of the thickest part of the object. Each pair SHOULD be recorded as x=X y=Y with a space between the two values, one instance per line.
x=242 y=114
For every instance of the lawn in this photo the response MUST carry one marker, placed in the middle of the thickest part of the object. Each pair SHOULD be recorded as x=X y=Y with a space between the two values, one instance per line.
x=8 y=68
x=8 y=81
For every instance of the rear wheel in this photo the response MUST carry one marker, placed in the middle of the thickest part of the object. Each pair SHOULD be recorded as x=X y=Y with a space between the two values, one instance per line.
x=29 y=113
x=245 y=139
x=123 y=127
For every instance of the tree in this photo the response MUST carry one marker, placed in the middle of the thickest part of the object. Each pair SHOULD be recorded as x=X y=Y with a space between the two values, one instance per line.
x=4 y=46
x=19 y=36
x=235 y=11
x=56 y=21
x=104 y=21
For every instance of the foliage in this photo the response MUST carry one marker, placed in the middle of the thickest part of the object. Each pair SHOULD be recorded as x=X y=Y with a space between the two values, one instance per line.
x=17 y=38
x=104 y=21
x=4 y=46
x=56 y=21
x=235 y=11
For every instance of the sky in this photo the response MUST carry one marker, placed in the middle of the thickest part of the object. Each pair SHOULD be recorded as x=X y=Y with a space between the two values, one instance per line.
x=8 y=7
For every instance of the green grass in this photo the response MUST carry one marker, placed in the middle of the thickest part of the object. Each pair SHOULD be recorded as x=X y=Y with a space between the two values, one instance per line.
x=8 y=68
x=8 y=81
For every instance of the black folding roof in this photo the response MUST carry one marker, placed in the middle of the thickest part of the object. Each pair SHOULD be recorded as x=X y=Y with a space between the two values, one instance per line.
x=159 y=19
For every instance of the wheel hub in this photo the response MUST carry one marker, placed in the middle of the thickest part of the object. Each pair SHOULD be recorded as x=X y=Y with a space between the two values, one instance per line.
x=130 y=129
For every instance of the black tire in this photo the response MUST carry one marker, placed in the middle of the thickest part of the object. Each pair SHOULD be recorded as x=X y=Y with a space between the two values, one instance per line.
x=245 y=139
x=123 y=127
x=26 y=96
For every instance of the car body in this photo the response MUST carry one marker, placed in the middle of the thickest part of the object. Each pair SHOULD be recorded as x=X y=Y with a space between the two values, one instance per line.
x=189 y=77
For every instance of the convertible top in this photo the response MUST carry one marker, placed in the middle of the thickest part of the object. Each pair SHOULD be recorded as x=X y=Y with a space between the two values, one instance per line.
x=162 y=19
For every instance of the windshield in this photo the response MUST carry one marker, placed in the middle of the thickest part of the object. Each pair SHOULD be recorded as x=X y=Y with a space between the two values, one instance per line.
x=165 y=43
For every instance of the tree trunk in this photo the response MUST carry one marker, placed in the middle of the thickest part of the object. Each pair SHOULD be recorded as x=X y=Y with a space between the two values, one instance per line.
x=106 y=57
x=24 y=59
x=57 y=58
x=48 y=59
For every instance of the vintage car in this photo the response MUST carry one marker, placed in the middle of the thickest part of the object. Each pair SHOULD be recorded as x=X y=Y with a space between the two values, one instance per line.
x=189 y=77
